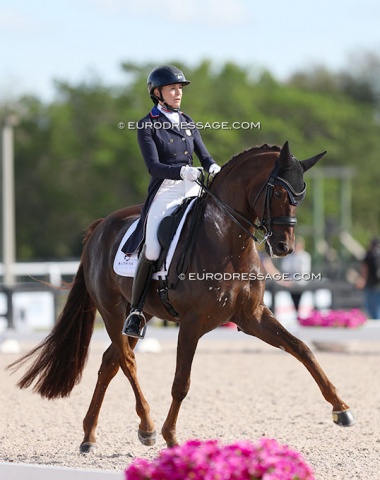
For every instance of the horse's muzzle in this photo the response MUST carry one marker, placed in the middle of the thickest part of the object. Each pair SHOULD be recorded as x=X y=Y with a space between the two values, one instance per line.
x=279 y=248
x=283 y=248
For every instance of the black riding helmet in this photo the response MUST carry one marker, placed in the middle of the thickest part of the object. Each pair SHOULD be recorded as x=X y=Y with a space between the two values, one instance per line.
x=161 y=76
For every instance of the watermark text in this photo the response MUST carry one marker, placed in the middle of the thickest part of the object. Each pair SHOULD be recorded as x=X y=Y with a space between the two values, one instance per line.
x=250 y=276
x=191 y=125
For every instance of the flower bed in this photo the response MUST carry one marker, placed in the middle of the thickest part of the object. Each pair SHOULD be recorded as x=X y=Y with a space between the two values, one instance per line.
x=209 y=460
x=334 y=318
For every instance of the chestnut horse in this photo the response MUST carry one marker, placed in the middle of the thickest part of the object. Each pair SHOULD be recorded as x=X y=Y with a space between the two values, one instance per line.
x=262 y=185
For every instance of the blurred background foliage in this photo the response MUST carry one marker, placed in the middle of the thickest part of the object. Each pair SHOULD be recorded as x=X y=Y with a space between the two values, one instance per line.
x=73 y=164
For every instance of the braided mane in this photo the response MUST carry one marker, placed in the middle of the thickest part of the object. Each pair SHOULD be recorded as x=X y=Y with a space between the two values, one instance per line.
x=256 y=150
x=241 y=157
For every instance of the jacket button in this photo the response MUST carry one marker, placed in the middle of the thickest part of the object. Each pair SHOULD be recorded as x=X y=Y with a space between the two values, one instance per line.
x=183 y=139
x=185 y=152
x=171 y=140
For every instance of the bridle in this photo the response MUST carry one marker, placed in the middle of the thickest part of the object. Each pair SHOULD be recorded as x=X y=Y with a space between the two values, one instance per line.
x=295 y=199
x=264 y=226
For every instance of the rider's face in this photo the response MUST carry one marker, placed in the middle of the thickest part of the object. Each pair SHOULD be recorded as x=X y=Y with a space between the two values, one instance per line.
x=172 y=94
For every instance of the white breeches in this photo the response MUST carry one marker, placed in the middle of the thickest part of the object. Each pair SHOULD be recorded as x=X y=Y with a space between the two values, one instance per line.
x=170 y=194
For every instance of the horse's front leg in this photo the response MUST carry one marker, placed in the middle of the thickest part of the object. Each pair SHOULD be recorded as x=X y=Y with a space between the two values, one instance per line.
x=187 y=344
x=266 y=327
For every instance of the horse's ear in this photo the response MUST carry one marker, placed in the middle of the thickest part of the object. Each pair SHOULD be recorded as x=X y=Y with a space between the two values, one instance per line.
x=285 y=158
x=310 y=162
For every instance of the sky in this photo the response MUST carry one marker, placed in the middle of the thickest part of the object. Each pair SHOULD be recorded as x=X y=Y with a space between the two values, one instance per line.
x=72 y=40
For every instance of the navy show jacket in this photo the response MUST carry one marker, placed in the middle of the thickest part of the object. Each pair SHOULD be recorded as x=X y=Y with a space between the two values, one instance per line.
x=165 y=149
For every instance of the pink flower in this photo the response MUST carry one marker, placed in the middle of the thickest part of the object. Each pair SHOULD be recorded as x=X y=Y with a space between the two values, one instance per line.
x=334 y=318
x=209 y=460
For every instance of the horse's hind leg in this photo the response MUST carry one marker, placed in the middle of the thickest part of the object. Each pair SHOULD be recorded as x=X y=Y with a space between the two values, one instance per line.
x=111 y=362
x=108 y=369
x=268 y=329
x=146 y=433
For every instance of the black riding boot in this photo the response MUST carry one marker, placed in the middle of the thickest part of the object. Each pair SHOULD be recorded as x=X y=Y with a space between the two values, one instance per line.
x=135 y=324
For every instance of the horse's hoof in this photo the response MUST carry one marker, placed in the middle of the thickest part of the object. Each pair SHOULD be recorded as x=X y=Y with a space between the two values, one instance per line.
x=87 y=447
x=147 y=438
x=344 y=418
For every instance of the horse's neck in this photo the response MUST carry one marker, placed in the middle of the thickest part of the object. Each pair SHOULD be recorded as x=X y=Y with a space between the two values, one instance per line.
x=221 y=233
x=240 y=185
x=222 y=246
x=237 y=188
x=243 y=177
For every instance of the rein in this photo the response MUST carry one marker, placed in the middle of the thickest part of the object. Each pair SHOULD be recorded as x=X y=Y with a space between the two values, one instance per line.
x=266 y=222
x=232 y=213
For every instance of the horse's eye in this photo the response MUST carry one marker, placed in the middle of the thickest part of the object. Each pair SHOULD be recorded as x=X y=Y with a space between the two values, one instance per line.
x=278 y=194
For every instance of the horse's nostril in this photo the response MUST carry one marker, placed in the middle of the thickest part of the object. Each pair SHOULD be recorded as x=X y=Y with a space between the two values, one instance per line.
x=283 y=247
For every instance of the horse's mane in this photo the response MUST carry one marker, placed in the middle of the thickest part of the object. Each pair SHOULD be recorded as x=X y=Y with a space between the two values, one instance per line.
x=242 y=156
x=258 y=149
x=254 y=151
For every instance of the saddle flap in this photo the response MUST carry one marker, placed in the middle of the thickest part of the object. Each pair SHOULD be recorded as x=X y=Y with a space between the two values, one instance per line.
x=168 y=227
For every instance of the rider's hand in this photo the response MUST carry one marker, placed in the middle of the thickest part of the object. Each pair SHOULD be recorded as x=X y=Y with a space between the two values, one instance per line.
x=214 y=169
x=190 y=173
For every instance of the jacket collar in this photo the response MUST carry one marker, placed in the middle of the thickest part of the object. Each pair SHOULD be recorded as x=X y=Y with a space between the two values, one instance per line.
x=156 y=112
x=157 y=115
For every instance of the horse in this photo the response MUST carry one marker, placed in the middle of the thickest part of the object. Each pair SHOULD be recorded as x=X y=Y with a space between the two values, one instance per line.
x=252 y=200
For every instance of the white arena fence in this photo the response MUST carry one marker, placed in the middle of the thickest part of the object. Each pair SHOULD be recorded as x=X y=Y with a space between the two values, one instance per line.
x=53 y=272
x=30 y=303
x=14 y=471
x=34 y=305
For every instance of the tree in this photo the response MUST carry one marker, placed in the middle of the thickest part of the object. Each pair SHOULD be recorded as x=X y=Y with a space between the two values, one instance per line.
x=74 y=163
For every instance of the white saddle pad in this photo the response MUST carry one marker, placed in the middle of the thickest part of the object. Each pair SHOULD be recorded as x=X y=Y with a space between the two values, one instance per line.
x=125 y=265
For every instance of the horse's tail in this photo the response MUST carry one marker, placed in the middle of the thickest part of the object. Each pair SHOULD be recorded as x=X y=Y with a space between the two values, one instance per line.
x=61 y=357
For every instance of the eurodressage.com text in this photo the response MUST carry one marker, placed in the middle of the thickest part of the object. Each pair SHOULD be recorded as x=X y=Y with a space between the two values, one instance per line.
x=248 y=276
x=192 y=125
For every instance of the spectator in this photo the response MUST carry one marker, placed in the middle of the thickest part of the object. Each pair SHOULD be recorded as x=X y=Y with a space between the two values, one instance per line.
x=295 y=266
x=370 y=280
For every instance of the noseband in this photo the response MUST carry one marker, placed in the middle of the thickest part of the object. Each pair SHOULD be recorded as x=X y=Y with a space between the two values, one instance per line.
x=264 y=227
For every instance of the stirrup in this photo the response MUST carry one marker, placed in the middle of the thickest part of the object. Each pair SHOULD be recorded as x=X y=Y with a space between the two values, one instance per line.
x=139 y=331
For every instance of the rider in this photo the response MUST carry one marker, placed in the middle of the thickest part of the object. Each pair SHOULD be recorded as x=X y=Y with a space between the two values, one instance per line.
x=167 y=139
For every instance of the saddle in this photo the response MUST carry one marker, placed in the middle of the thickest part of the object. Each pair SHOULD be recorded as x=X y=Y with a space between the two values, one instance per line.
x=167 y=230
x=168 y=234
